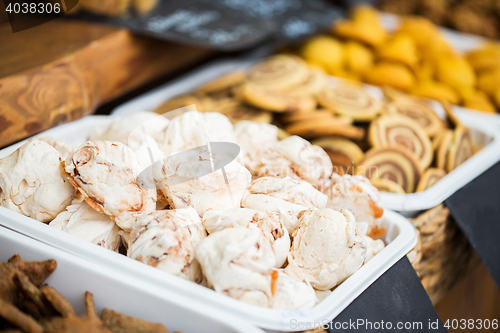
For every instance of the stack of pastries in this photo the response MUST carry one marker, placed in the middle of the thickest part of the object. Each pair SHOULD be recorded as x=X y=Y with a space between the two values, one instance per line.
x=275 y=227
x=414 y=58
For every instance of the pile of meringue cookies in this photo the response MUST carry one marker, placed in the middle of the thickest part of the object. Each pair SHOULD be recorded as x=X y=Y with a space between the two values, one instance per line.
x=282 y=232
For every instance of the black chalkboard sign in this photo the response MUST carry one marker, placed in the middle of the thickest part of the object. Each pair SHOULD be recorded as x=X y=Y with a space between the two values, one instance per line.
x=228 y=25
x=476 y=209
x=396 y=302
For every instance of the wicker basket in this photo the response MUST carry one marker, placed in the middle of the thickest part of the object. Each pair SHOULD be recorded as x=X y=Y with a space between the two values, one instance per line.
x=443 y=255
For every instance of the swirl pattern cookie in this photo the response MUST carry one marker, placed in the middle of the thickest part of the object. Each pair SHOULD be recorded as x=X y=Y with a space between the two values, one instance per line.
x=344 y=153
x=224 y=82
x=387 y=185
x=395 y=130
x=429 y=178
x=280 y=72
x=324 y=127
x=351 y=101
x=418 y=112
x=275 y=100
x=396 y=163
x=443 y=149
x=461 y=148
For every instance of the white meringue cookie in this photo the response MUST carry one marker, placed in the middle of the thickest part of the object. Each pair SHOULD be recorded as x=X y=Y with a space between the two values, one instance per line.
x=193 y=129
x=374 y=246
x=297 y=158
x=208 y=192
x=285 y=196
x=238 y=262
x=65 y=149
x=147 y=152
x=31 y=182
x=356 y=194
x=129 y=129
x=167 y=240
x=327 y=246
x=254 y=139
x=106 y=173
x=292 y=293
x=270 y=225
x=84 y=222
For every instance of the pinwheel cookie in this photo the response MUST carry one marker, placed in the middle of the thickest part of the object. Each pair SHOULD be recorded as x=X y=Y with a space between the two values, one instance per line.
x=461 y=149
x=343 y=153
x=395 y=130
x=429 y=178
x=350 y=100
x=387 y=185
x=417 y=111
x=395 y=163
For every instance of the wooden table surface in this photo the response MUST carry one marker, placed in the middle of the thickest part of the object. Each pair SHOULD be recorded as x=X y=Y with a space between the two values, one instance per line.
x=64 y=69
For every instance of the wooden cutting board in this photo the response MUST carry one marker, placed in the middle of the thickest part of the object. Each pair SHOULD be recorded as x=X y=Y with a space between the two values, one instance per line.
x=64 y=69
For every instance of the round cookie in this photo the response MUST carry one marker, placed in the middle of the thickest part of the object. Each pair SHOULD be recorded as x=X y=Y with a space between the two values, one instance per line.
x=349 y=100
x=280 y=72
x=325 y=127
x=429 y=178
x=387 y=185
x=396 y=163
x=418 y=112
x=393 y=130
x=443 y=149
x=461 y=149
x=224 y=82
x=344 y=153
x=277 y=101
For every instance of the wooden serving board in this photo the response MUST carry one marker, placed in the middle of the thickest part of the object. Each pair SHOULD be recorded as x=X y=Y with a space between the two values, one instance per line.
x=64 y=69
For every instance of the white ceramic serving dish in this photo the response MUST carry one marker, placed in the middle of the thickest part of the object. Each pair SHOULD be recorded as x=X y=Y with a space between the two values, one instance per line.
x=400 y=237
x=484 y=131
x=123 y=293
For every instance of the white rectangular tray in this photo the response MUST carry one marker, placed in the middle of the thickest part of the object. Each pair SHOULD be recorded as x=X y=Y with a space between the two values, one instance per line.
x=400 y=237
x=127 y=294
x=484 y=131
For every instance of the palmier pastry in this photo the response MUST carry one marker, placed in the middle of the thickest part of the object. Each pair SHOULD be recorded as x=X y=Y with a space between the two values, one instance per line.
x=396 y=163
x=280 y=72
x=275 y=100
x=387 y=185
x=323 y=127
x=443 y=149
x=344 y=153
x=419 y=112
x=227 y=81
x=351 y=101
x=461 y=148
x=392 y=130
x=316 y=114
x=429 y=178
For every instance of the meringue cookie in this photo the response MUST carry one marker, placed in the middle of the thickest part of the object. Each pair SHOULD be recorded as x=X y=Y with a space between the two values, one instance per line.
x=285 y=196
x=254 y=139
x=65 y=149
x=292 y=291
x=238 y=262
x=208 y=192
x=167 y=240
x=147 y=151
x=327 y=246
x=270 y=225
x=31 y=182
x=84 y=222
x=374 y=246
x=356 y=194
x=129 y=129
x=193 y=129
x=106 y=173
x=297 y=158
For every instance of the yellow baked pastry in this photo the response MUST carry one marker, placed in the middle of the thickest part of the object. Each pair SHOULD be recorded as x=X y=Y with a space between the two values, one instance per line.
x=358 y=58
x=324 y=51
x=423 y=31
x=485 y=58
x=366 y=32
x=489 y=81
x=436 y=90
x=401 y=48
x=478 y=100
x=455 y=71
x=391 y=74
